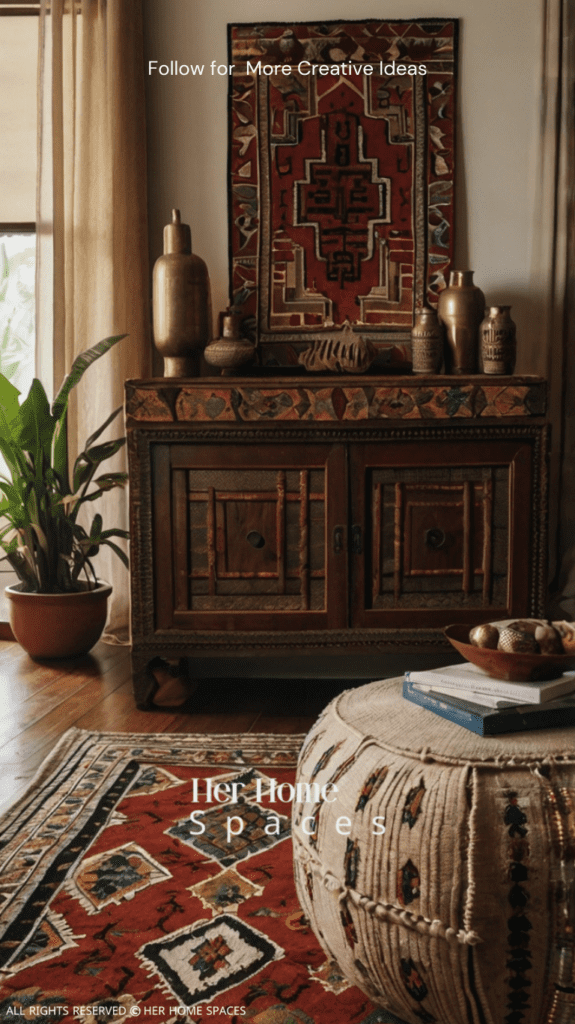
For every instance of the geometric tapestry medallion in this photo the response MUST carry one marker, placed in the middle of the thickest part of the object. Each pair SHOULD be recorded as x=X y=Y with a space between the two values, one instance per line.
x=341 y=173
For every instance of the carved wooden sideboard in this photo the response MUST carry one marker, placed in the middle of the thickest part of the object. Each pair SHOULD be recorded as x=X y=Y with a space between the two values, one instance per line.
x=331 y=514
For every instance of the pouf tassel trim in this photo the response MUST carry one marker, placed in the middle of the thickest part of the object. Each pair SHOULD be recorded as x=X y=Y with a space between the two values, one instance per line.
x=387 y=911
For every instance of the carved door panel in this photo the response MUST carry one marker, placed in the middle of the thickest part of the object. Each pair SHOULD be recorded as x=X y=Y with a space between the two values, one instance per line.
x=250 y=537
x=444 y=531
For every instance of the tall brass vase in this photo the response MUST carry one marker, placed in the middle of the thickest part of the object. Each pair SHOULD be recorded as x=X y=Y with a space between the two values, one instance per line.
x=461 y=308
x=181 y=301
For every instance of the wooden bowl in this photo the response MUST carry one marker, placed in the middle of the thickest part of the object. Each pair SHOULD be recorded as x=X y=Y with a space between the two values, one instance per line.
x=514 y=668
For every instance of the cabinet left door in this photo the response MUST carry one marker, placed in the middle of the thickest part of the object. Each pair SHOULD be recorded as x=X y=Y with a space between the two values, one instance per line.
x=249 y=536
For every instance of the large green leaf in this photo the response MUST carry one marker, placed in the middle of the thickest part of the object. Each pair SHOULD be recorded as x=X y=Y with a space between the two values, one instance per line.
x=87 y=464
x=114 y=533
x=14 y=458
x=9 y=409
x=36 y=426
x=109 y=480
x=96 y=527
x=121 y=554
x=83 y=473
x=79 y=367
x=94 y=437
x=60 y=451
x=101 y=452
x=60 y=403
x=107 y=484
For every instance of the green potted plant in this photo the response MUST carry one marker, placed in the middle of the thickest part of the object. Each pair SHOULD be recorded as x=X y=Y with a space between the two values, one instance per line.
x=59 y=607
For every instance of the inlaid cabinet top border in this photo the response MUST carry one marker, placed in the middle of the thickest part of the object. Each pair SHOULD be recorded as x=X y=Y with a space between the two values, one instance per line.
x=208 y=400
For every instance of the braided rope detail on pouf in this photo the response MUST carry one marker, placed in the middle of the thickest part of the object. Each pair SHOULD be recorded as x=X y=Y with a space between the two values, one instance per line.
x=385 y=911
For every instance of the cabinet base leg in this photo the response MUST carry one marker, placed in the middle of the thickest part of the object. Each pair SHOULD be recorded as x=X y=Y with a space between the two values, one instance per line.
x=161 y=682
x=173 y=683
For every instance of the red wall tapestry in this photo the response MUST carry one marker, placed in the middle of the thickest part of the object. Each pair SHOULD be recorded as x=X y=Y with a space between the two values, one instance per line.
x=341 y=174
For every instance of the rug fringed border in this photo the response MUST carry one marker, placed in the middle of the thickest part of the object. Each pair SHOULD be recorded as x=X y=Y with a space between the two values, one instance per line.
x=235 y=749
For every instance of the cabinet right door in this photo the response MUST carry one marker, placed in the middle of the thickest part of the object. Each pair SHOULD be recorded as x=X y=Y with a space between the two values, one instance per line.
x=441 y=532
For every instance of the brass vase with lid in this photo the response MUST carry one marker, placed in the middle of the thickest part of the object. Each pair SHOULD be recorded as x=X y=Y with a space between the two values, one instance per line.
x=181 y=302
x=460 y=308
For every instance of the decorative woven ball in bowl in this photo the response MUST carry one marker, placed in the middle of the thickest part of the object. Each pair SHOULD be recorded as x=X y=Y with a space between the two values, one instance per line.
x=512 y=666
x=463 y=910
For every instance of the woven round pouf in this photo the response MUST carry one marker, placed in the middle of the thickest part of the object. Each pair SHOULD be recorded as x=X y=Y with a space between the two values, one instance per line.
x=463 y=910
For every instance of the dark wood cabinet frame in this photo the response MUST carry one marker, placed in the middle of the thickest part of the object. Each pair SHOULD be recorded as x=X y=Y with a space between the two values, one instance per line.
x=160 y=452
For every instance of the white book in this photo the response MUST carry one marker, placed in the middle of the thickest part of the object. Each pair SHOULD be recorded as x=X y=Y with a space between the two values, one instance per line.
x=468 y=677
x=487 y=700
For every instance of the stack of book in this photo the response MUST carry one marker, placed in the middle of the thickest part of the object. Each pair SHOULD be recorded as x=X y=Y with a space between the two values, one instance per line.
x=465 y=695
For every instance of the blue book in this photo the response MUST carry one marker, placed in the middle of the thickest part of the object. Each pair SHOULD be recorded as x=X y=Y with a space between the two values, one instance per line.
x=491 y=721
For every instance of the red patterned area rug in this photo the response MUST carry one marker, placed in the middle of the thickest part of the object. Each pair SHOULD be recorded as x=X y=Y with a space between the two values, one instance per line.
x=115 y=904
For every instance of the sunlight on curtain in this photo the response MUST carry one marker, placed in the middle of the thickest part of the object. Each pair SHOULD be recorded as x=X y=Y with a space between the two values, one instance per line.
x=92 y=221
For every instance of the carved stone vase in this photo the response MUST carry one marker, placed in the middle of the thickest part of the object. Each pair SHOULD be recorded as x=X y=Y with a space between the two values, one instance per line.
x=181 y=302
x=460 y=308
x=427 y=338
x=498 y=341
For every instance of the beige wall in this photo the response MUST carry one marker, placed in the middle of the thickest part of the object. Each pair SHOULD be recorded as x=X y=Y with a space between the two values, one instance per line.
x=499 y=69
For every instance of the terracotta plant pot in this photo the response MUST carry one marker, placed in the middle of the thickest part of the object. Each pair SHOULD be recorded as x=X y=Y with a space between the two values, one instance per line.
x=58 y=625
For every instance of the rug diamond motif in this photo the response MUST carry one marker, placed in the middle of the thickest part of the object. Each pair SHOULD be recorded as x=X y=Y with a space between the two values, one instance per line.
x=261 y=830
x=50 y=939
x=199 y=963
x=225 y=891
x=153 y=780
x=114 y=876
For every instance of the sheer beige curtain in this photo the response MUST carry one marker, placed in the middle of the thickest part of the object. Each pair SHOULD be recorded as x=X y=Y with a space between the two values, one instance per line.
x=92 y=222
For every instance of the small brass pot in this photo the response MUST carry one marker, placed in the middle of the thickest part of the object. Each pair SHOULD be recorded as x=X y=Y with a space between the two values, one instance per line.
x=230 y=350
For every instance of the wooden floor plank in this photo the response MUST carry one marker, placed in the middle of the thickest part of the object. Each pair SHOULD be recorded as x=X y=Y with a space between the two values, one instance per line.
x=21 y=677
x=58 y=719
x=216 y=723
x=40 y=701
x=122 y=715
x=20 y=717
